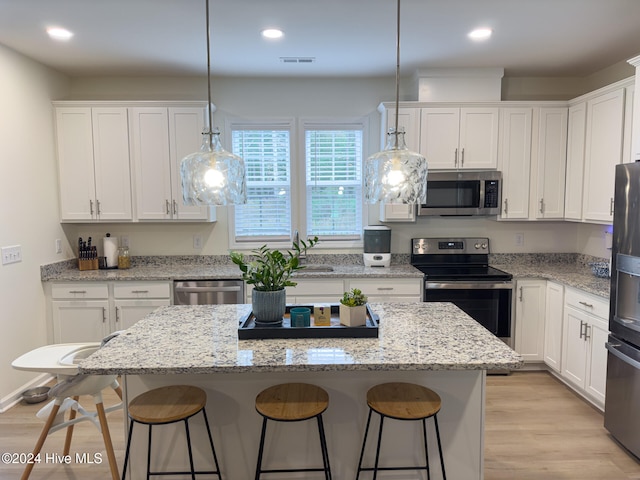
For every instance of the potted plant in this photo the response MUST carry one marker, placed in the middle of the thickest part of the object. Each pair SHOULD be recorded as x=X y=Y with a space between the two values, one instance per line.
x=353 y=308
x=269 y=271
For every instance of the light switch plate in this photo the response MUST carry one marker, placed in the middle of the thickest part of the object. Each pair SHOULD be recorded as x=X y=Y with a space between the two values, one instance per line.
x=12 y=254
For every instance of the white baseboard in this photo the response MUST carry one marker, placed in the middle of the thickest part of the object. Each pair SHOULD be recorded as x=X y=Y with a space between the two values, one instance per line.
x=14 y=397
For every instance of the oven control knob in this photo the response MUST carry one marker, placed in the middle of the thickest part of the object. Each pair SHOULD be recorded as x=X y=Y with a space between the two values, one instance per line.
x=477 y=245
x=484 y=246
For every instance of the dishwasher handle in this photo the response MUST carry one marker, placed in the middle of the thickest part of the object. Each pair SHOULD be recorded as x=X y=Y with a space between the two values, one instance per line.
x=236 y=288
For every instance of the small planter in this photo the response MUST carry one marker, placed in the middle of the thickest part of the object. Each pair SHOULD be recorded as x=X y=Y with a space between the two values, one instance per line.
x=353 y=316
x=269 y=307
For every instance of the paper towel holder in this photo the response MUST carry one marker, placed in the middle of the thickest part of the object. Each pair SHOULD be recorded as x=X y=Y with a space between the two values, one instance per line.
x=110 y=251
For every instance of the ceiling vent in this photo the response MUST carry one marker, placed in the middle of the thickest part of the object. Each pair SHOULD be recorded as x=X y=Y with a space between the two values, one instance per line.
x=298 y=59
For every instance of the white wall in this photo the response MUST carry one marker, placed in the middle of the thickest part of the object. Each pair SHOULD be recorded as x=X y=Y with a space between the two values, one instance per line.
x=29 y=206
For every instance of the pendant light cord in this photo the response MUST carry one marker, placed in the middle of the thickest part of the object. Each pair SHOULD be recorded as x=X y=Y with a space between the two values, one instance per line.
x=210 y=130
x=397 y=70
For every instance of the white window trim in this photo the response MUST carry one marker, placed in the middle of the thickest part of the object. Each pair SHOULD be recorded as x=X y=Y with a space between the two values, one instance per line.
x=330 y=123
x=298 y=185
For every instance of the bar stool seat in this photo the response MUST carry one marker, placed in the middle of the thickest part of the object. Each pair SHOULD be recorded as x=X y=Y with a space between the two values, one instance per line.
x=293 y=402
x=402 y=401
x=166 y=405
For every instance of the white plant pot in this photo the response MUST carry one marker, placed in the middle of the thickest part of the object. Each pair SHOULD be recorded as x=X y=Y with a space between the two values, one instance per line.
x=353 y=316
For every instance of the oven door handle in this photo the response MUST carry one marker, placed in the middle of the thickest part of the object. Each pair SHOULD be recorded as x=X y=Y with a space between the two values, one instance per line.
x=468 y=286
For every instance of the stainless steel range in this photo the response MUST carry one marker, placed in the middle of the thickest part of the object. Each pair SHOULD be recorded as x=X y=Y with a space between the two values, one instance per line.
x=457 y=270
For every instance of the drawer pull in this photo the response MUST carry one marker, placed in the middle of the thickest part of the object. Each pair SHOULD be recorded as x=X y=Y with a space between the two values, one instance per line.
x=588 y=305
x=139 y=291
x=77 y=291
x=385 y=288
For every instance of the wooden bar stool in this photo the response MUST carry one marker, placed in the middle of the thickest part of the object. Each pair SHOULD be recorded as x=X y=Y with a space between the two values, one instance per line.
x=166 y=405
x=293 y=402
x=402 y=401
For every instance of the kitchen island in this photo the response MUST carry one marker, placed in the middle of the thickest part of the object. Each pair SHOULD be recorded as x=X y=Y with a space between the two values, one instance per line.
x=434 y=344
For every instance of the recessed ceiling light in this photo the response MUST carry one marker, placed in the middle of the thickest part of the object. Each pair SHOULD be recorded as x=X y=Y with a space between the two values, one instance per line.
x=480 y=34
x=272 y=33
x=58 y=33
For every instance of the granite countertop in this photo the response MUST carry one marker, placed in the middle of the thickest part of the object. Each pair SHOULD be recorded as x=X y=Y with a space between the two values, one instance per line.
x=568 y=275
x=204 y=340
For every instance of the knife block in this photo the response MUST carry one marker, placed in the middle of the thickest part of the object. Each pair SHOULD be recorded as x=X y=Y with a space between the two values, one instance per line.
x=88 y=264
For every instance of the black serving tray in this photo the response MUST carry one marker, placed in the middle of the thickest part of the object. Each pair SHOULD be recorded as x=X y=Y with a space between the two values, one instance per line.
x=248 y=329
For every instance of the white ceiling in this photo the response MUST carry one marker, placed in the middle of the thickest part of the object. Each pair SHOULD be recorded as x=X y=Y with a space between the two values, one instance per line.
x=346 y=37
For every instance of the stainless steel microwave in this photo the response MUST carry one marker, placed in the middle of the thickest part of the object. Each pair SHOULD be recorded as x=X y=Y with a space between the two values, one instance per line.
x=462 y=193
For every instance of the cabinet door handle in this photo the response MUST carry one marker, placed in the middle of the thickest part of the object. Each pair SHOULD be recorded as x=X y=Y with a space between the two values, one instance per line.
x=462 y=158
x=175 y=207
x=117 y=314
x=542 y=205
x=104 y=314
x=586 y=332
x=97 y=207
x=166 y=204
x=588 y=305
x=455 y=157
x=506 y=206
x=520 y=297
x=91 y=207
x=611 y=207
x=582 y=324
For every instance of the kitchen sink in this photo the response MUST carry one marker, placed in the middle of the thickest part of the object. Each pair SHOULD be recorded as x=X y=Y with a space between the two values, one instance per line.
x=317 y=268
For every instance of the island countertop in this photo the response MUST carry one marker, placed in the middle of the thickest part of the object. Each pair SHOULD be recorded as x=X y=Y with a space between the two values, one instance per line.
x=204 y=339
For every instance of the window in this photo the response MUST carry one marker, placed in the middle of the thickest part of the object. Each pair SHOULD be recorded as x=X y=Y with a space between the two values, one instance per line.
x=267 y=156
x=318 y=192
x=333 y=165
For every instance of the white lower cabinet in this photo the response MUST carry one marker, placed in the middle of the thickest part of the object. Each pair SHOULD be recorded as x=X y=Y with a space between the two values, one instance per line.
x=554 y=306
x=584 y=356
x=315 y=290
x=87 y=312
x=529 y=319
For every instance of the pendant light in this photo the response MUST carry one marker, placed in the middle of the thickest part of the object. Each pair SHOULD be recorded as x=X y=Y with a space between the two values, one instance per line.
x=212 y=176
x=396 y=174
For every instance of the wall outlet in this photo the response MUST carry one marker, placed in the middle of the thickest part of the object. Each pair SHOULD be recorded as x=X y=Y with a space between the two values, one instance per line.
x=12 y=254
x=197 y=242
x=58 y=245
x=519 y=239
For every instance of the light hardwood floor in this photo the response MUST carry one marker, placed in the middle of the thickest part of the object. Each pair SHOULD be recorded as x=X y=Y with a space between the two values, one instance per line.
x=536 y=429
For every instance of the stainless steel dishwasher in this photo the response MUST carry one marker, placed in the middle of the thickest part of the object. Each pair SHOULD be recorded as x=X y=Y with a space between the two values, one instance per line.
x=208 y=292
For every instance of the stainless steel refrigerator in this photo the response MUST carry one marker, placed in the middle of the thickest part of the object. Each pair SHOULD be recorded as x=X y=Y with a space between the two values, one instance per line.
x=622 y=404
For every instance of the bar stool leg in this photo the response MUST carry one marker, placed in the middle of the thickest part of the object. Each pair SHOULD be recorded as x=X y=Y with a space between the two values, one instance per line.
x=435 y=421
x=213 y=450
x=126 y=454
x=375 y=470
x=149 y=455
x=325 y=451
x=364 y=443
x=186 y=427
x=426 y=448
x=262 y=435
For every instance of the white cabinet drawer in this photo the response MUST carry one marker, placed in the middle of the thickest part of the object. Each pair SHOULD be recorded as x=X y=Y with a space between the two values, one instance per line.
x=141 y=290
x=390 y=286
x=317 y=286
x=587 y=303
x=79 y=290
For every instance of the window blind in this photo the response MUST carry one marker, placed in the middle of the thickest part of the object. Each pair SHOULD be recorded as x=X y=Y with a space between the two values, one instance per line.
x=334 y=182
x=267 y=157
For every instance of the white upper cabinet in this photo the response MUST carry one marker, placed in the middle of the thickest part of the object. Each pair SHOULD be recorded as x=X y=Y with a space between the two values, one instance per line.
x=453 y=138
x=550 y=162
x=93 y=162
x=515 y=161
x=574 y=181
x=603 y=151
x=409 y=120
x=160 y=138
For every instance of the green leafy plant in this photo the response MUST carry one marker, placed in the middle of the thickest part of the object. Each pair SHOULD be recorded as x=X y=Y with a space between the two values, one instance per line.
x=270 y=269
x=354 y=298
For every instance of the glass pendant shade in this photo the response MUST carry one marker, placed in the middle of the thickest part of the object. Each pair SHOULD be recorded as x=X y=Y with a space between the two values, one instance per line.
x=213 y=176
x=396 y=174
